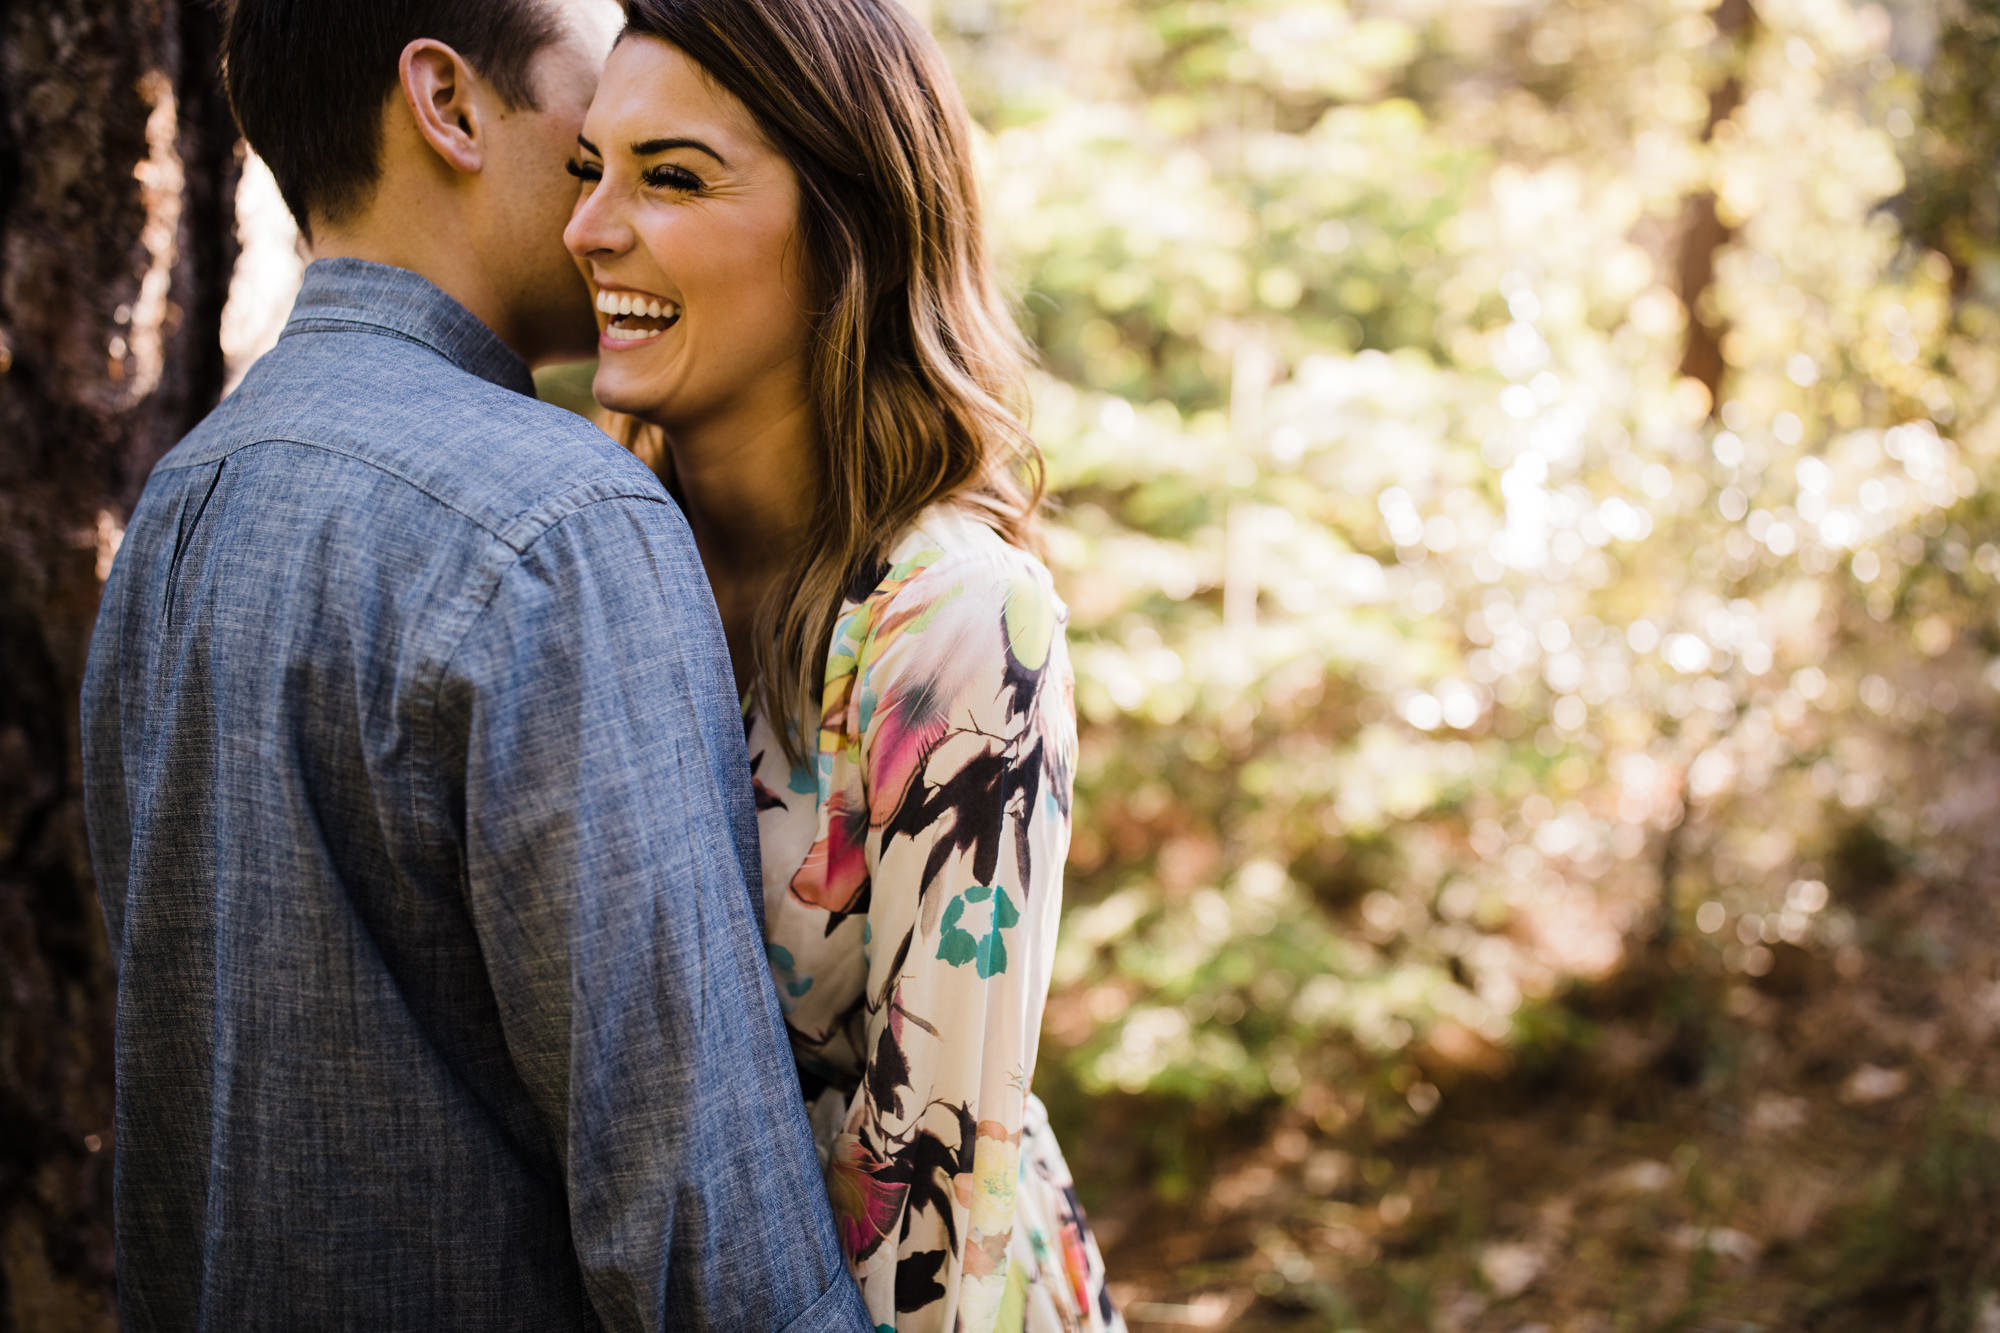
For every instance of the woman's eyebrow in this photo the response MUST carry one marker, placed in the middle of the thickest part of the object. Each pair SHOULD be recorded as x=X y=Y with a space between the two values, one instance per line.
x=588 y=146
x=648 y=147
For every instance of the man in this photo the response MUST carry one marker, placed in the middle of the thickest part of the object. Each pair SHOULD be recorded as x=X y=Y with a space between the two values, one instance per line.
x=416 y=780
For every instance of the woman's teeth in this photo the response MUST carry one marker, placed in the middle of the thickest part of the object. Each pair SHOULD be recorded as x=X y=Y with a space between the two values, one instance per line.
x=629 y=303
x=635 y=316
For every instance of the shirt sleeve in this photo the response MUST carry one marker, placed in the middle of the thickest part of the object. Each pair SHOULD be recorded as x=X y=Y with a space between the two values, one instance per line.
x=107 y=810
x=609 y=846
x=967 y=737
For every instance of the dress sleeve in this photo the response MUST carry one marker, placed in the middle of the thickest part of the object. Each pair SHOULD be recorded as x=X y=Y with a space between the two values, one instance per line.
x=963 y=715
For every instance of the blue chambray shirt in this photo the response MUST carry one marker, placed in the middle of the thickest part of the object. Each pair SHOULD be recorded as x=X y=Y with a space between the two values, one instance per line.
x=423 y=825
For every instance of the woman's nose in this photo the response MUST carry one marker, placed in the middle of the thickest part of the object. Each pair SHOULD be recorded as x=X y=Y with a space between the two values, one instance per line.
x=593 y=227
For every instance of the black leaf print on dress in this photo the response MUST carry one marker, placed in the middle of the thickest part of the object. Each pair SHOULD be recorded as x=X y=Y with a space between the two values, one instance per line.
x=1024 y=683
x=888 y=1072
x=979 y=799
x=926 y=1165
x=917 y=1282
x=1027 y=784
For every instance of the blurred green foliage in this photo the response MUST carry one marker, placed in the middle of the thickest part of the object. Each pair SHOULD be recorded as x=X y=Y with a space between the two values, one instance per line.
x=1440 y=645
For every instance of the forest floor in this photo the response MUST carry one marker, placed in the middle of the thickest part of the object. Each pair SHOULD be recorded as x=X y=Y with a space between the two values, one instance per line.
x=1817 y=1149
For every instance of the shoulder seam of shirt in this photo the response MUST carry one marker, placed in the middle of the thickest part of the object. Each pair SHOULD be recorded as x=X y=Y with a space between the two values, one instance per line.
x=518 y=533
x=428 y=685
x=520 y=552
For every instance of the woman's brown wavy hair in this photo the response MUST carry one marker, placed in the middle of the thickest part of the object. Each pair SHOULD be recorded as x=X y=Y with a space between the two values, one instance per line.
x=918 y=372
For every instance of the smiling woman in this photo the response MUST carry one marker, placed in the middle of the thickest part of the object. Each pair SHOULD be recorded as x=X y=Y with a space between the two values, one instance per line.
x=688 y=207
x=778 y=220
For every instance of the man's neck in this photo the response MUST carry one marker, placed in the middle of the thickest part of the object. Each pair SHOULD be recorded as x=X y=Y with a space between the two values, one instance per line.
x=452 y=268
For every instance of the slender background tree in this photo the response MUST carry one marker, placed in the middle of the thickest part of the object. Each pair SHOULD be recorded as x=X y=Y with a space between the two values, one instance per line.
x=118 y=168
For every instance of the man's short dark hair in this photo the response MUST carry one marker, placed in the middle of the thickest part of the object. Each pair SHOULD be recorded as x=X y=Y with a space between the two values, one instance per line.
x=308 y=79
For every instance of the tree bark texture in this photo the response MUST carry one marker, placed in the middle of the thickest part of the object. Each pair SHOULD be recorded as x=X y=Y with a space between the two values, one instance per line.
x=1703 y=232
x=118 y=169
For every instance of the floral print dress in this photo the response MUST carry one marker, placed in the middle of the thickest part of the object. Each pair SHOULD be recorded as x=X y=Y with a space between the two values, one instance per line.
x=912 y=883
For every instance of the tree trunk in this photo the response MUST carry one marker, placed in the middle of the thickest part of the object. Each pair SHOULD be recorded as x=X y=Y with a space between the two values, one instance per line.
x=1703 y=232
x=117 y=180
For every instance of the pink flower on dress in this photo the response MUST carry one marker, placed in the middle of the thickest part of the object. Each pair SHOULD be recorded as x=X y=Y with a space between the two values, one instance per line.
x=909 y=726
x=836 y=869
x=865 y=1206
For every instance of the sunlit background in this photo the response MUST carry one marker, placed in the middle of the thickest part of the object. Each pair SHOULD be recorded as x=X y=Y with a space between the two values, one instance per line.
x=1523 y=475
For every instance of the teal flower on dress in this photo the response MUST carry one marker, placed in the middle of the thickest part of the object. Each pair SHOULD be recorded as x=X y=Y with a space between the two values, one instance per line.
x=958 y=946
x=785 y=969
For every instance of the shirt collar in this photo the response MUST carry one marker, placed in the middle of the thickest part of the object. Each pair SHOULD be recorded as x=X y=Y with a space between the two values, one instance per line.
x=345 y=293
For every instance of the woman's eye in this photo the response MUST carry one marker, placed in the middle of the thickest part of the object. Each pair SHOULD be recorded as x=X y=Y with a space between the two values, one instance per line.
x=583 y=171
x=671 y=178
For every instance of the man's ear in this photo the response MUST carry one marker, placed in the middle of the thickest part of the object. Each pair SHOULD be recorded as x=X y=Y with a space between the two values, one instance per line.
x=438 y=85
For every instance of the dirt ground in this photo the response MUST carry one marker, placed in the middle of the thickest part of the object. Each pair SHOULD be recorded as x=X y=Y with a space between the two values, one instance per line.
x=1815 y=1149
